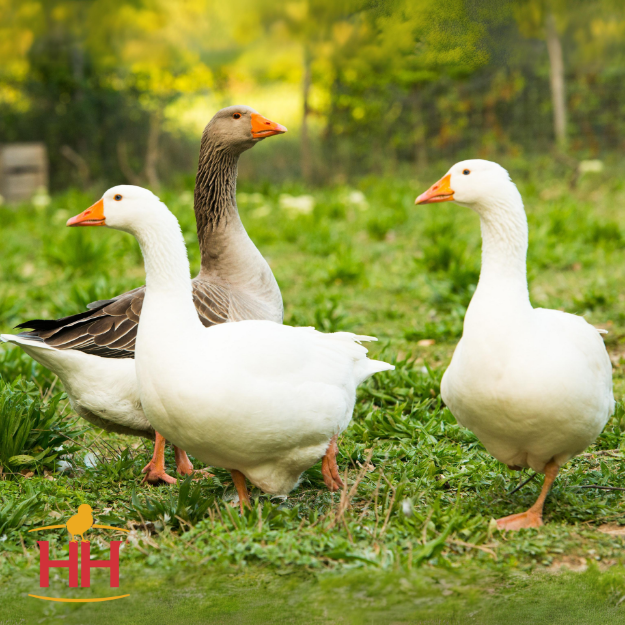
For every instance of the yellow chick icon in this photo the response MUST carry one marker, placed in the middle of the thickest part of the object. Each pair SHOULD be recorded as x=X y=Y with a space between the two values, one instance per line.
x=78 y=524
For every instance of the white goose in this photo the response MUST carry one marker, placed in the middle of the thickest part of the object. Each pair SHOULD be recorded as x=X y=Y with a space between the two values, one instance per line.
x=534 y=385
x=263 y=400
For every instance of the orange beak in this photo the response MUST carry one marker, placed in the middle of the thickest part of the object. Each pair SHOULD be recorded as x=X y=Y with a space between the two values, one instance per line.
x=263 y=127
x=439 y=192
x=93 y=216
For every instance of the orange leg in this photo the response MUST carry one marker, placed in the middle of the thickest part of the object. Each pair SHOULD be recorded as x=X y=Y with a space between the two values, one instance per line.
x=329 y=468
x=239 y=481
x=534 y=516
x=183 y=464
x=155 y=469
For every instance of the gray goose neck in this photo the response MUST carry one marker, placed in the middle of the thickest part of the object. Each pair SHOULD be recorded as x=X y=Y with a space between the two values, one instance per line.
x=215 y=193
x=229 y=257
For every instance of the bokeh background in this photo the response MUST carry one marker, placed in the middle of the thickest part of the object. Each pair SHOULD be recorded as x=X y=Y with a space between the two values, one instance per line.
x=119 y=90
x=380 y=98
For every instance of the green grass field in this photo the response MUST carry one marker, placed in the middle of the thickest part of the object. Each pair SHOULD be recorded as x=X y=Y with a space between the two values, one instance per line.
x=411 y=538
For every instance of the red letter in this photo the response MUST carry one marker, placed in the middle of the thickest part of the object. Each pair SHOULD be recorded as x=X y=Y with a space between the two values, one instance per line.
x=86 y=563
x=45 y=564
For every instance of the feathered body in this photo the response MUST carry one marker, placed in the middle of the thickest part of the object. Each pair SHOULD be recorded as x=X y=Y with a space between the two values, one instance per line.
x=253 y=396
x=534 y=385
x=266 y=403
x=536 y=390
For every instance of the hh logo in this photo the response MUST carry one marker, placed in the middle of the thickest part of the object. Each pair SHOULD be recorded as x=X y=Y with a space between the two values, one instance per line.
x=77 y=525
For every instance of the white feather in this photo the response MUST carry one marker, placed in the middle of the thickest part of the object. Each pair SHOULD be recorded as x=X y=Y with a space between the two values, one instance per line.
x=101 y=390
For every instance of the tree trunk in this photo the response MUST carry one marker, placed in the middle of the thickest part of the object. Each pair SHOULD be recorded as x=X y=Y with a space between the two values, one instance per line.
x=78 y=66
x=151 y=156
x=420 y=154
x=79 y=163
x=124 y=164
x=306 y=160
x=556 y=74
x=78 y=74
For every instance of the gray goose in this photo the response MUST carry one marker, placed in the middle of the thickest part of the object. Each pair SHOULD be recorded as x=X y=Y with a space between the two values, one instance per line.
x=92 y=351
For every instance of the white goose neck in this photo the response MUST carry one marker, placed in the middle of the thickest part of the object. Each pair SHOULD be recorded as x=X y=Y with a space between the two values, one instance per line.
x=165 y=256
x=504 y=245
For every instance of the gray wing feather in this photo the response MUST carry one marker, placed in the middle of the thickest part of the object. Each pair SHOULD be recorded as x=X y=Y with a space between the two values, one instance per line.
x=110 y=330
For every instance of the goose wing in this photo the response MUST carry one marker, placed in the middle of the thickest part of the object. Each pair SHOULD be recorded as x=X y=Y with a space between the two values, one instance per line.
x=109 y=327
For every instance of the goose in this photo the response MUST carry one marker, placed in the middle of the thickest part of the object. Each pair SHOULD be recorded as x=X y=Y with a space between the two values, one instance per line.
x=534 y=385
x=91 y=352
x=261 y=399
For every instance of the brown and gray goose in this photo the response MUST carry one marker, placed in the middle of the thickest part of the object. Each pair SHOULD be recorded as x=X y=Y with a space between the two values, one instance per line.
x=92 y=351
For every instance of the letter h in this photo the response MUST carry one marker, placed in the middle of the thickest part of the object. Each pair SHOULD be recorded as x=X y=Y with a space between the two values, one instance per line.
x=45 y=564
x=86 y=563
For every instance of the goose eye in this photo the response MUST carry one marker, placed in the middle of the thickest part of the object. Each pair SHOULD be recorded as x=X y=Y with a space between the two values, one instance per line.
x=118 y=197
x=237 y=116
x=466 y=172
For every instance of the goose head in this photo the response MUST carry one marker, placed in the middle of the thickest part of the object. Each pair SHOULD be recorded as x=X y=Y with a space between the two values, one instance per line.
x=478 y=184
x=238 y=128
x=122 y=207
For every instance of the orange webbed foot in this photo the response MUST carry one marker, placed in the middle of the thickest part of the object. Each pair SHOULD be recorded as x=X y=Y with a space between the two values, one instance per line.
x=202 y=474
x=520 y=521
x=155 y=475
x=183 y=464
x=534 y=516
x=155 y=469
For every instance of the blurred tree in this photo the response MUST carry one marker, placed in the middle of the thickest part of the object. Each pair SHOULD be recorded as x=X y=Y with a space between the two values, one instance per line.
x=105 y=83
x=558 y=92
x=151 y=46
x=388 y=59
x=536 y=17
x=551 y=19
x=90 y=66
x=310 y=28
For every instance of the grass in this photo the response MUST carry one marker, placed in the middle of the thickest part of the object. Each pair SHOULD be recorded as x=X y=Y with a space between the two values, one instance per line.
x=411 y=538
x=256 y=597
x=31 y=433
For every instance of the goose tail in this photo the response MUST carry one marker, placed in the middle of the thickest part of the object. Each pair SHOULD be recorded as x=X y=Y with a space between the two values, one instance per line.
x=23 y=339
x=350 y=343
x=365 y=368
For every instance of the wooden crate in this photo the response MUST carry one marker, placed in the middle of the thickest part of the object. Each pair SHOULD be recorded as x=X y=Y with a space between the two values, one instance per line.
x=23 y=170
